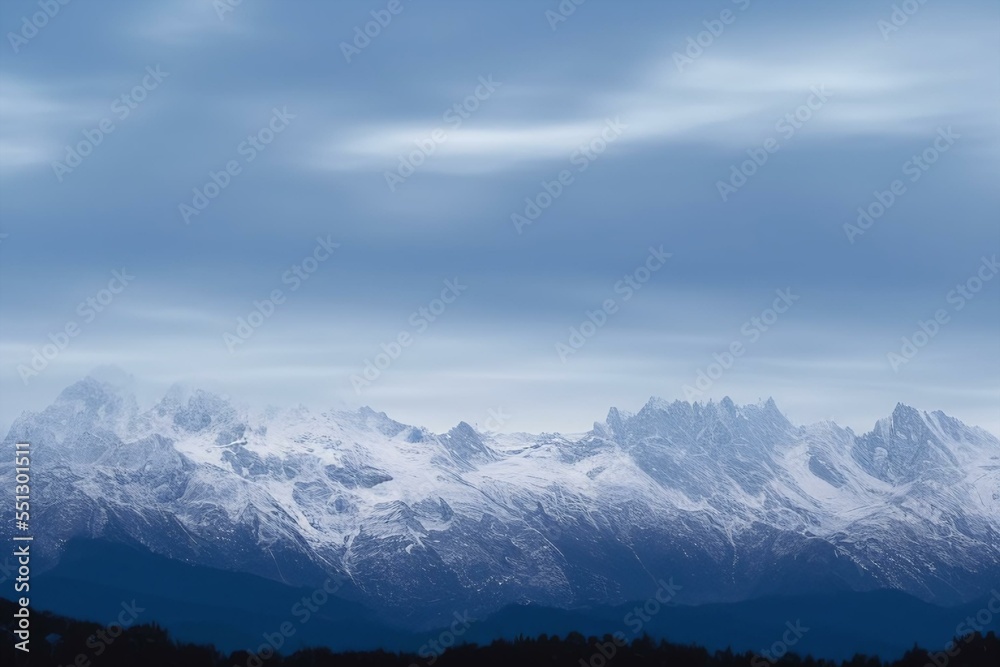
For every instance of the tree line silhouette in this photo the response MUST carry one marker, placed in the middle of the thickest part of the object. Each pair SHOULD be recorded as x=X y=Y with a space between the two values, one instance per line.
x=57 y=641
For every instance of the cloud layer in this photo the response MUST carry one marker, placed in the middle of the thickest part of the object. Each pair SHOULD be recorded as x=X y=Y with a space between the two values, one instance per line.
x=470 y=142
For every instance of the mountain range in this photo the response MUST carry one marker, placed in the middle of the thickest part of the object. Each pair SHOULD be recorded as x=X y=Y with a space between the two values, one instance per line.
x=730 y=503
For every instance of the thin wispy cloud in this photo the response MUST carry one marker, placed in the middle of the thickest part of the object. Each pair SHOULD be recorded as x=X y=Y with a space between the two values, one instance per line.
x=179 y=23
x=683 y=132
x=721 y=99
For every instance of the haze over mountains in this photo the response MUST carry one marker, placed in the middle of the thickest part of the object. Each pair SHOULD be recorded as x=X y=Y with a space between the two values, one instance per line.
x=732 y=503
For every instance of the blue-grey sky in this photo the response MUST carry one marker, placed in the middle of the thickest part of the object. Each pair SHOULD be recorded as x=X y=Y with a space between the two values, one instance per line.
x=629 y=125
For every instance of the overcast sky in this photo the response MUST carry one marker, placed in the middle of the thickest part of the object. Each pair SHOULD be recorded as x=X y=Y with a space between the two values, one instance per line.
x=629 y=125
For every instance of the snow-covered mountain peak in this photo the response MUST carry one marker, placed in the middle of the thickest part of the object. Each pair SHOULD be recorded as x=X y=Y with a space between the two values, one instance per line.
x=88 y=406
x=714 y=492
x=708 y=425
x=656 y=403
x=91 y=394
x=195 y=410
x=467 y=446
